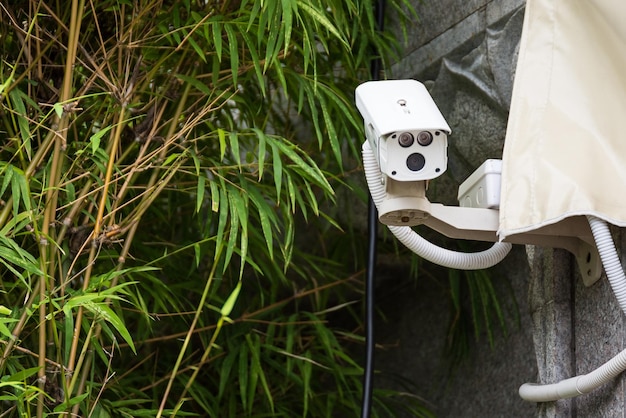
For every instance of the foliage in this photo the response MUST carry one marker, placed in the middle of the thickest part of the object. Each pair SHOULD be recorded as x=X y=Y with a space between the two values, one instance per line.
x=157 y=159
x=477 y=311
x=482 y=303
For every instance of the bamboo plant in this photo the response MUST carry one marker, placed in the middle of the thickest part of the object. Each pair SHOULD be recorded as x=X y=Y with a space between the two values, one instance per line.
x=158 y=160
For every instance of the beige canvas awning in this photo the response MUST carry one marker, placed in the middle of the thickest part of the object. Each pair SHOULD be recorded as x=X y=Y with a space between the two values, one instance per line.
x=565 y=147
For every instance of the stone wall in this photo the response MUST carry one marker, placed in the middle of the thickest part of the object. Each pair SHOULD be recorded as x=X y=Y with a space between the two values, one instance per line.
x=465 y=52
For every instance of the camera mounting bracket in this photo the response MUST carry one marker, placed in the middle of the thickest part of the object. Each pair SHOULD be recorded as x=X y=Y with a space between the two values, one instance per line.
x=572 y=234
x=481 y=224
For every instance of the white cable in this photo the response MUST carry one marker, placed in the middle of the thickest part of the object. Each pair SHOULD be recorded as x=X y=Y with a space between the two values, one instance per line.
x=574 y=386
x=579 y=385
x=610 y=259
x=417 y=244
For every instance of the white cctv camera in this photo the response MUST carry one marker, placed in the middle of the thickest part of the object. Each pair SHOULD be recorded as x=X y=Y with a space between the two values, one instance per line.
x=405 y=129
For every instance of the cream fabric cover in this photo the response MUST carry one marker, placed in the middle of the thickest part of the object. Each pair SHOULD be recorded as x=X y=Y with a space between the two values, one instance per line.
x=565 y=147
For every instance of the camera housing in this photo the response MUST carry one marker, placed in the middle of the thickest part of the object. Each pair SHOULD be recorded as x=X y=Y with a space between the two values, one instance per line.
x=405 y=129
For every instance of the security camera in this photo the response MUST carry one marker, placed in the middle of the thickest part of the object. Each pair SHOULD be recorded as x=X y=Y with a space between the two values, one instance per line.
x=405 y=129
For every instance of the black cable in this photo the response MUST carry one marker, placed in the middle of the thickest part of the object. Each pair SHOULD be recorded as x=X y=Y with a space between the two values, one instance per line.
x=372 y=227
x=372 y=224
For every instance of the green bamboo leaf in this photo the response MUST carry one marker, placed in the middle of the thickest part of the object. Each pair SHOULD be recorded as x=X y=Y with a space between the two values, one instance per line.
x=345 y=109
x=200 y=192
x=225 y=370
x=261 y=152
x=312 y=171
x=222 y=221
x=21 y=115
x=104 y=280
x=200 y=21
x=171 y=158
x=243 y=250
x=7 y=172
x=272 y=12
x=254 y=55
x=306 y=371
x=290 y=339
x=24 y=189
x=197 y=48
x=16 y=192
x=12 y=254
x=308 y=47
x=300 y=203
x=196 y=161
x=277 y=165
x=68 y=323
x=253 y=372
x=331 y=221
x=494 y=299
x=289 y=8
x=267 y=216
x=77 y=400
x=288 y=247
x=240 y=203
x=215 y=196
x=176 y=24
x=257 y=369
x=330 y=128
x=5 y=85
x=234 y=145
x=234 y=227
x=97 y=137
x=484 y=303
x=474 y=309
x=221 y=134
x=272 y=38
x=279 y=73
x=228 y=306
x=197 y=253
x=244 y=375
x=455 y=288
x=234 y=52
x=301 y=91
x=4 y=330
x=23 y=375
x=84 y=299
x=197 y=84
x=312 y=199
x=311 y=94
x=254 y=13
x=103 y=311
x=291 y=192
x=217 y=38
x=70 y=192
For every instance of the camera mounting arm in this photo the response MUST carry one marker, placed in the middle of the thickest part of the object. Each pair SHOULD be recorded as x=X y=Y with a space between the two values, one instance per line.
x=407 y=205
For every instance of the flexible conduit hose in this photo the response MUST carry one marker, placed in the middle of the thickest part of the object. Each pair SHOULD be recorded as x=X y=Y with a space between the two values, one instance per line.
x=580 y=385
x=417 y=244
x=610 y=260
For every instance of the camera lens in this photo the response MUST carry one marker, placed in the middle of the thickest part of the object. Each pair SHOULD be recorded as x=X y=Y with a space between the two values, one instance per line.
x=415 y=161
x=424 y=138
x=405 y=139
